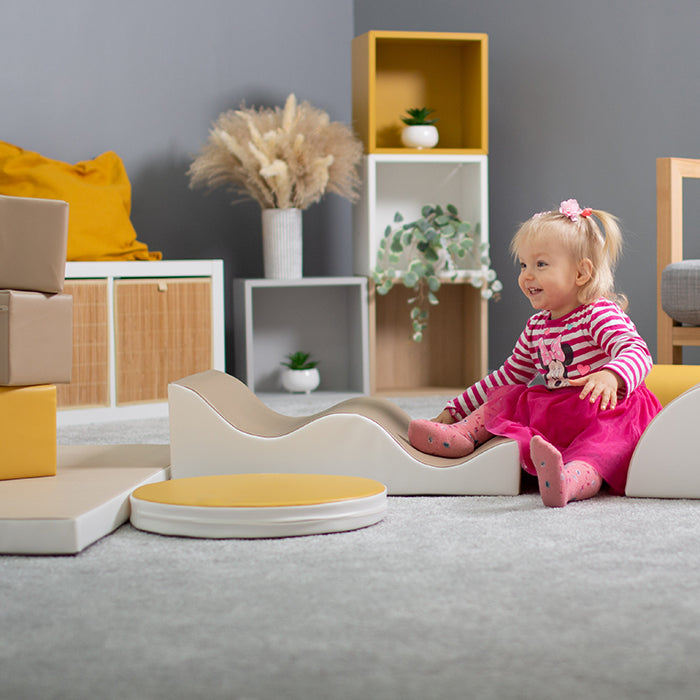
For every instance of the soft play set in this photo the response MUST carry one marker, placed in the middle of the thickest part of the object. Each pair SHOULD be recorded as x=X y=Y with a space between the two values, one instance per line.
x=234 y=467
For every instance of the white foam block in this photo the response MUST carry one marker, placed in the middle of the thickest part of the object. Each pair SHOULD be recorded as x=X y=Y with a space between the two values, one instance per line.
x=86 y=500
x=665 y=462
x=217 y=426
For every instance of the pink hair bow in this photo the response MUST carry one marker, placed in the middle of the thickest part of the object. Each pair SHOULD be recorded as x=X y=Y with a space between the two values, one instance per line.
x=553 y=353
x=570 y=208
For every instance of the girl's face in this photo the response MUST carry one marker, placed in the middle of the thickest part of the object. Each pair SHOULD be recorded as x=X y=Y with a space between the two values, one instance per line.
x=549 y=277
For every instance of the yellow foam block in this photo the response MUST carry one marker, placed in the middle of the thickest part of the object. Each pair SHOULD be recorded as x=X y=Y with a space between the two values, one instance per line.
x=667 y=382
x=27 y=431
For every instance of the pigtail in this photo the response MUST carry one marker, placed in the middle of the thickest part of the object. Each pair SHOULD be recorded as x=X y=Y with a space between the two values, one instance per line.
x=605 y=253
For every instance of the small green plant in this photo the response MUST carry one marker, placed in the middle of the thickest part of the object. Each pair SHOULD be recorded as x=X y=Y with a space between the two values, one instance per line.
x=421 y=252
x=418 y=116
x=299 y=360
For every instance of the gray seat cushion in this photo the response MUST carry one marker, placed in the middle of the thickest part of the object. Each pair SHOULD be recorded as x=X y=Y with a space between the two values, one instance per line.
x=680 y=291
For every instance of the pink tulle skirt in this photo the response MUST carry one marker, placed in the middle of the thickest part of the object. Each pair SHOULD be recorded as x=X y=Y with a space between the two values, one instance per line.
x=577 y=428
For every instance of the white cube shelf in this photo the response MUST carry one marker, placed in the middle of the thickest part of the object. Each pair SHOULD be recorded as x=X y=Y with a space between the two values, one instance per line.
x=405 y=183
x=324 y=316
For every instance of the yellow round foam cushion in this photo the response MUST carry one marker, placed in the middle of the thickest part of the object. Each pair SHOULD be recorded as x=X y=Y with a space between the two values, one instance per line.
x=259 y=490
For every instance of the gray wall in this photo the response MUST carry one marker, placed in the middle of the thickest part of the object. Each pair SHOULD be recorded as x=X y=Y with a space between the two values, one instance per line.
x=146 y=78
x=584 y=96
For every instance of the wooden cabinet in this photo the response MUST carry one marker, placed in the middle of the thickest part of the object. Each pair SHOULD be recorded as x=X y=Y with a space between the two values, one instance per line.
x=137 y=326
x=447 y=72
x=163 y=332
x=90 y=374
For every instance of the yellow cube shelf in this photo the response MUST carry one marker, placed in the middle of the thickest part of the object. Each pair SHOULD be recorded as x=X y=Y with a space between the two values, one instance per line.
x=444 y=71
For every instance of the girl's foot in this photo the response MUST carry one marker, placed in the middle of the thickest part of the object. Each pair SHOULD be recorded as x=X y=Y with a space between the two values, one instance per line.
x=560 y=483
x=441 y=439
x=449 y=440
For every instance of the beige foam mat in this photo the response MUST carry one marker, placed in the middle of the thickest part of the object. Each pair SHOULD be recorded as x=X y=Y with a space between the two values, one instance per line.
x=87 y=499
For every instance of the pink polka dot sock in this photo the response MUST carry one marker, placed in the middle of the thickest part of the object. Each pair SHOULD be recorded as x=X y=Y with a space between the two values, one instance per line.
x=449 y=440
x=560 y=483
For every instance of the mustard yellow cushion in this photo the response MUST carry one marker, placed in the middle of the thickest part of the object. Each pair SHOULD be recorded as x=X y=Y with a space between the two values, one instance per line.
x=98 y=193
x=667 y=382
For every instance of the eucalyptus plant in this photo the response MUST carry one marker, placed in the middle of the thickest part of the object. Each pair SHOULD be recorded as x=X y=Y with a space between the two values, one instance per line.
x=422 y=253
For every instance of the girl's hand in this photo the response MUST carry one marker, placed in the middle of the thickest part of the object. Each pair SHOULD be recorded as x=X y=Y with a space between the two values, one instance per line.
x=604 y=384
x=444 y=417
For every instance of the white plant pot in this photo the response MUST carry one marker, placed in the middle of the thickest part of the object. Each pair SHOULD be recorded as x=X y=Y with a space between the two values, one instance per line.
x=420 y=136
x=282 y=243
x=300 y=380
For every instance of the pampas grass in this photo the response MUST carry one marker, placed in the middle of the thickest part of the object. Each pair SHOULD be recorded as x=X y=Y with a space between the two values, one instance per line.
x=280 y=157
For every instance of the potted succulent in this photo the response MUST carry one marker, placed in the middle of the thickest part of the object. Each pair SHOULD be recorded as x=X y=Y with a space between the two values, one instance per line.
x=420 y=131
x=301 y=374
x=421 y=254
x=285 y=159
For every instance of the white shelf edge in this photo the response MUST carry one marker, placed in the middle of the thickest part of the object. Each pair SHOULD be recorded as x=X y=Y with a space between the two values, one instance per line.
x=426 y=158
x=304 y=281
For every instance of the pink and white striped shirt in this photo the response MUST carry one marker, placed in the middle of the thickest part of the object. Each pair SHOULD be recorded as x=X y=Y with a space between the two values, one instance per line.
x=587 y=339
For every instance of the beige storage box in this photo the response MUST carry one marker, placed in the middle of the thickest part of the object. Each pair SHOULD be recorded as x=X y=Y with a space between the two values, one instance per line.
x=33 y=243
x=36 y=338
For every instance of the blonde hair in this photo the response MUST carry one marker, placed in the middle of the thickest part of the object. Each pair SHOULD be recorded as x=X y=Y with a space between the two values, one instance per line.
x=582 y=239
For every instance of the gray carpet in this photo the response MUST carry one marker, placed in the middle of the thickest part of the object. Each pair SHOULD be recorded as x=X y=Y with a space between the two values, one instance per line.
x=448 y=597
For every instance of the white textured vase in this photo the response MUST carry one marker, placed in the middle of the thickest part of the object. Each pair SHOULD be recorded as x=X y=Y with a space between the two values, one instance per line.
x=300 y=380
x=282 y=243
x=420 y=136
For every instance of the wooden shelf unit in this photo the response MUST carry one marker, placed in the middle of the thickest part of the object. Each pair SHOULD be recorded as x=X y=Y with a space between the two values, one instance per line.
x=445 y=71
x=452 y=355
x=136 y=327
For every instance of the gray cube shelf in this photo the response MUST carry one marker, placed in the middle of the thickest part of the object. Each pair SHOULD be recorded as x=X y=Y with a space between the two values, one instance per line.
x=325 y=316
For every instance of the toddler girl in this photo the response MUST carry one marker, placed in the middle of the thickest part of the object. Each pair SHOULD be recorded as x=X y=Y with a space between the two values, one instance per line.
x=582 y=424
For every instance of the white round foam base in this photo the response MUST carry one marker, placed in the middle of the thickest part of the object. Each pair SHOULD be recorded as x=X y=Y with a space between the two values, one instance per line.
x=226 y=507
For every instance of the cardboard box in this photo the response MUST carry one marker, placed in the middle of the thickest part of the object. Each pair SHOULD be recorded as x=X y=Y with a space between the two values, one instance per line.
x=33 y=243
x=27 y=431
x=36 y=338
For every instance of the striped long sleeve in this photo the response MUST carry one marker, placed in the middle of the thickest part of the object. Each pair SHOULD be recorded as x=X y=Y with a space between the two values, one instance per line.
x=589 y=338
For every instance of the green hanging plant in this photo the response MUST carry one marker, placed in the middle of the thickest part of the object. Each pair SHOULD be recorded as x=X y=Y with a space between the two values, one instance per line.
x=421 y=254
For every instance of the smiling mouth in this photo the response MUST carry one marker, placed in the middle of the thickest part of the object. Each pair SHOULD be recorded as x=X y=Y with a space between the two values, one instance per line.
x=532 y=291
